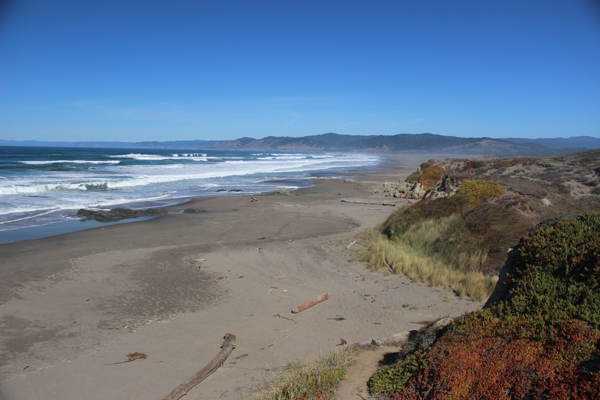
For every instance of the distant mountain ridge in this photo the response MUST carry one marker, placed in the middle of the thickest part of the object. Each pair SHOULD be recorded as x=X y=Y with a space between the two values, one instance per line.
x=333 y=142
x=584 y=142
x=175 y=144
x=426 y=142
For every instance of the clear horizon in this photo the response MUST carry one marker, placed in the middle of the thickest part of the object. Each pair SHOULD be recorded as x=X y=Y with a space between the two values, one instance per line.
x=141 y=71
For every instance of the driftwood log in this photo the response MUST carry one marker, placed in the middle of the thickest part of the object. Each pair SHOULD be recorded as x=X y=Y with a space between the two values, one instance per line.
x=311 y=303
x=211 y=367
x=366 y=202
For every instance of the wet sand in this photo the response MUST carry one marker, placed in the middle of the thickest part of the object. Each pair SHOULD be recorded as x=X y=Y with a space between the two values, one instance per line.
x=73 y=303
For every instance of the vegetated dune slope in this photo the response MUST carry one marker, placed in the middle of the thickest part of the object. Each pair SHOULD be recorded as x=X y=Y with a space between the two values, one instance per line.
x=538 y=338
x=499 y=201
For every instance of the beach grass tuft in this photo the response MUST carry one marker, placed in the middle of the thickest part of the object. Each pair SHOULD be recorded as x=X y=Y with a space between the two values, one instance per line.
x=316 y=379
x=457 y=242
x=439 y=251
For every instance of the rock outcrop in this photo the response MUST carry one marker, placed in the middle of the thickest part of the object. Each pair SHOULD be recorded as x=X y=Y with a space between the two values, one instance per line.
x=445 y=187
x=117 y=214
x=396 y=189
x=281 y=192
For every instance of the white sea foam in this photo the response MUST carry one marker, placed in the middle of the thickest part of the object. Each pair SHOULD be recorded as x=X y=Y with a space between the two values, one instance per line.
x=34 y=214
x=36 y=196
x=135 y=176
x=54 y=187
x=154 y=157
x=73 y=205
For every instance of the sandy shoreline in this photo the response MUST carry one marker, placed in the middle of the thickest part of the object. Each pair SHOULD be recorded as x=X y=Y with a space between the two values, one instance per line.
x=75 y=302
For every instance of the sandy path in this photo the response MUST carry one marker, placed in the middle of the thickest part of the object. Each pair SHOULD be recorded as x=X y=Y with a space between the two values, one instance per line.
x=354 y=387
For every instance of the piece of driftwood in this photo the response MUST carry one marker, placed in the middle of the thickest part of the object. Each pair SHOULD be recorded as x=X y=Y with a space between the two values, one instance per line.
x=311 y=303
x=211 y=367
x=365 y=202
x=131 y=357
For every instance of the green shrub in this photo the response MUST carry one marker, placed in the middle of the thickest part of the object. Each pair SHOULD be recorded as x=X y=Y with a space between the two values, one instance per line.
x=311 y=380
x=557 y=275
x=393 y=379
x=476 y=191
x=425 y=165
x=413 y=178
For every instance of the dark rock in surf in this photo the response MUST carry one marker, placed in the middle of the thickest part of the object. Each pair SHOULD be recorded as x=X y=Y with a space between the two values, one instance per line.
x=117 y=214
x=193 y=211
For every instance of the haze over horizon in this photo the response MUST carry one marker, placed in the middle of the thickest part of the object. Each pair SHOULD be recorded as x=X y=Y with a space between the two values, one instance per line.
x=152 y=71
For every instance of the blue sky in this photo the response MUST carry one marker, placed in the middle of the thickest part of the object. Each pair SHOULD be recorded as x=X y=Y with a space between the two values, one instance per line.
x=184 y=70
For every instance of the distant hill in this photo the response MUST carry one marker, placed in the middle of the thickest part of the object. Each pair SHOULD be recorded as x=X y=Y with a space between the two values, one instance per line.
x=175 y=144
x=333 y=142
x=575 y=142
x=425 y=142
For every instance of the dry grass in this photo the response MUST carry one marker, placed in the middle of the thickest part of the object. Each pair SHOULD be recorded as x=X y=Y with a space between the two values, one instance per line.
x=317 y=379
x=438 y=251
x=422 y=209
x=488 y=228
x=493 y=229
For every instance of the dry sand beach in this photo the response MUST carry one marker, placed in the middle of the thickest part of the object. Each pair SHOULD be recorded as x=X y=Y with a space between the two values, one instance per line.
x=74 y=303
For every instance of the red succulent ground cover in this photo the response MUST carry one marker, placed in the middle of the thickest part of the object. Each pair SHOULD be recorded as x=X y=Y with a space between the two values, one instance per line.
x=430 y=177
x=486 y=360
x=473 y=165
x=542 y=341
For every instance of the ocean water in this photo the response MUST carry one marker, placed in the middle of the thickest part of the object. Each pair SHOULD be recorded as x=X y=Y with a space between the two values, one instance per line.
x=41 y=188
